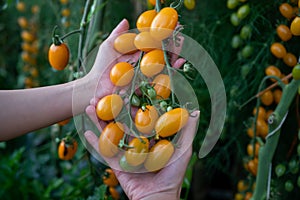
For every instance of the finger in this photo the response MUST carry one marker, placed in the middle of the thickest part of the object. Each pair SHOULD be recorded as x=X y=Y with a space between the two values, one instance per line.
x=91 y=112
x=179 y=62
x=92 y=139
x=121 y=27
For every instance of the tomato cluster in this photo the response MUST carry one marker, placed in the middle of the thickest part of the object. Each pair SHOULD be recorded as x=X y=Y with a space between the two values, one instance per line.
x=30 y=47
x=141 y=134
x=113 y=187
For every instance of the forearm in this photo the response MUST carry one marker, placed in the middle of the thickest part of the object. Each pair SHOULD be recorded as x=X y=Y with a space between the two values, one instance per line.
x=27 y=110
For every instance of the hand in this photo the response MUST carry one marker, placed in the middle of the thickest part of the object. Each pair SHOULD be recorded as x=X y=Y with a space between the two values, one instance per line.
x=165 y=184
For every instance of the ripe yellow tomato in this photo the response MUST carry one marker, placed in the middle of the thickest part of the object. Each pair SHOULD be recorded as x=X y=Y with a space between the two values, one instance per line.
x=58 y=56
x=164 y=23
x=145 y=19
x=171 y=122
x=124 y=43
x=290 y=59
x=273 y=71
x=261 y=112
x=145 y=119
x=109 y=178
x=109 y=107
x=262 y=128
x=110 y=138
x=138 y=151
x=267 y=98
x=67 y=148
x=159 y=155
x=286 y=10
x=295 y=26
x=121 y=74
x=278 y=50
x=152 y=63
x=162 y=86
x=145 y=42
x=284 y=32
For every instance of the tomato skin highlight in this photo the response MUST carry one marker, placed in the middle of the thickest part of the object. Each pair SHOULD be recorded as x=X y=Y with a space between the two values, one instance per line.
x=109 y=107
x=110 y=138
x=171 y=122
x=164 y=23
x=152 y=63
x=145 y=119
x=58 y=56
x=124 y=43
x=145 y=19
x=137 y=155
x=159 y=155
x=121 y=74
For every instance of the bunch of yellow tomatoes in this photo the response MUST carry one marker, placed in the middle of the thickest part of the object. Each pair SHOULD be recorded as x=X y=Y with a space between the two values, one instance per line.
x=140 y=132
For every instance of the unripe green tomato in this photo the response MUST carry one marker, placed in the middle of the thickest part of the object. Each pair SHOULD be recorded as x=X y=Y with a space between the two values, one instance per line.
x=151 y=93
x=294 y=166
x=289 y=186
x=298 y=181
x=245 y=32
x=296 y=72
x=247 y=51
x=298 y=149
x=232 y=4
x=135 y=100
x=243 y=11
x=280 y=170
x=235 y=21
x=236 y=41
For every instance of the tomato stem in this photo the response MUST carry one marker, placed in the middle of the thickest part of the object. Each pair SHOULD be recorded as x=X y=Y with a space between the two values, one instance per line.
x=71 y=33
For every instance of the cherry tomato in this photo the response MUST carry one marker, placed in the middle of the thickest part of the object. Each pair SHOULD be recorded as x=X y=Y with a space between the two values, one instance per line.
x=289 y=186
x=27 y=36
x=238 y=196
x=162 y=86
x=250 y=149
x=35 y=9
x=110 y=138
x=114 y=193
x=262 y=128
x=159 y=155
x=153 y=2
x=109 y=107
x=277 y=93
x=67 y=148
x=235 y=21
x=296 y=72
x=252 y=166
x=145 y=42
x=247 y=51
x=242 y=186
x=189 y=4
x=284 y=32
x=164 y=23
x=109 y=178
x=145 y=19
x=145 y=119
x=121 y=74
x=26 y=57
x=248 y=196
x=64 y=1
x=280 y=170
x=267 y=98
x=124 y=43
x=171 y=122
x=273 y=71
x=261 y=112
x=243 y=11
x=278 y=50
x=246 y=32
x=269 y=112
x=236 y=41
x=66 y=12
x=138 y=151
x=295 y=26
x=23 y=22
x=21 y=6
x=250 y=132
x=152 y=63
x=232 y=4
x=290 y=59
x=58 y=56
x=286 y=10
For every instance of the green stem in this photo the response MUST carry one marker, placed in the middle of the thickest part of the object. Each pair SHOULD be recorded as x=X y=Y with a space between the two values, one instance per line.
x=158 y=6
x=267 y=151
x=70 y=33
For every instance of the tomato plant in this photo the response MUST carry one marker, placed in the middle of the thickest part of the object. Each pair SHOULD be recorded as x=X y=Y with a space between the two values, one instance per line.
x=290 y=59
x=273 y=71
x=110 y=138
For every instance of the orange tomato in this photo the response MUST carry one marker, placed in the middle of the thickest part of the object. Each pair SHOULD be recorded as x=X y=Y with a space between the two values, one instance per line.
x=23 y=23
x=295 y=26
x=286 y=10
x=277 y=93
x=267 y=98
x=252 y=166
x=58 y=56
x=138 y=151
x=159 y=155
x=114 y=193
x=273 y=71
x=153 y=2
x=171 y=122
x=27 y=36
x=145 y=42
x=278 y=50
x=164 y=23
x=145 y=19
x=262 y=128
x=250 y=132
x=66 y=12
x=162 y=86
x=242 y=186
x=64 y=122
x=109 y=107
x=250 y=149
x=110 y=138
x=152 y=63
x=124 y=43
x=67 y=148
x=21 y=6
x=145 y=119
x=121 y=74
x=109 y=178
x=284 y=32
x=290 y=59
x=261 y=112
x=248 y=196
